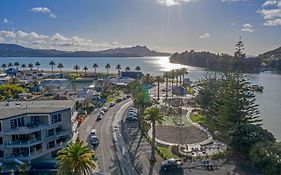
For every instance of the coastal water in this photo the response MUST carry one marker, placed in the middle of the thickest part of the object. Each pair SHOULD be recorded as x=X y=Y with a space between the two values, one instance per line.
x=269 y=100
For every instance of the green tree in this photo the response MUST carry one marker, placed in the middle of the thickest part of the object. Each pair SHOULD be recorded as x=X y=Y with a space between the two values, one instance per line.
x=138 y=68
x=4 y=66
x=17 y=64
x=60 y=66
x=183 y=72
x=244 y=136
x=10 y=65
x=127 y=69
x=30 y=66
x=148 y=79
x=166 y=76
x=37 y=64
x=153 y=115
x=23 y=66
x=118 y=67
x=52 y=64
x=76 y=68
x=158 y=79
x=75 y=159
x=85 y=68
x=107 y=67
x=95 y=66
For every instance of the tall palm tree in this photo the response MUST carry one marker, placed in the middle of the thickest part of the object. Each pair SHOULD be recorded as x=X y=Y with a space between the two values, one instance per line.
x=10 y=65
x=76 y=158
x=37 y=64
x=52 y=64
x=153 y=115
x=166 y=76
x=4 y=66
x=30 y=66
x=127 y=69
x=85 y=68
x=148 y=79
x=60 y=66
x=95 y=66
x=76 y=68
x=184 y=72
x=107 y=67
x=23 y=66
x=172 y=76
x=17 y=64
x=118 y=67
x=159 y=80
x=138 y=68
x=178 y=75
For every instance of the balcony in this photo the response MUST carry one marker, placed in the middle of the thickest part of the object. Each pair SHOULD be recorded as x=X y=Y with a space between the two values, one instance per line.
x=30 y=128
x=59 y=134
x=25 y=143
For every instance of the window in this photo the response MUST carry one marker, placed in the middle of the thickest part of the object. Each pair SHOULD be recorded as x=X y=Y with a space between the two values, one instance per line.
x=18 y=122
x=34 y=119
x=0 y=126
x=1 y=153
x=51 y=145
x=1 y=141
x=56 y=118
x=50 y=132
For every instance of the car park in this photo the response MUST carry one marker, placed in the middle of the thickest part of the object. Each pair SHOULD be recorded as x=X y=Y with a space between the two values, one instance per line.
x=171 y=164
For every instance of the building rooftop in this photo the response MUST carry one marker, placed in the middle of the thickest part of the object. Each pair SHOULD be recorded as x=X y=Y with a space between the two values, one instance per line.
x=14 y=108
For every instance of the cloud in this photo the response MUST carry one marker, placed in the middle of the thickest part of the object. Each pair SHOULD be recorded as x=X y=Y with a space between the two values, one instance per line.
x=6 y=21
x=271 y=15
x=170 y=3
x=2 y=40
x=247 y=28
x=44 y=10
x=205 y=36
x=55 y=41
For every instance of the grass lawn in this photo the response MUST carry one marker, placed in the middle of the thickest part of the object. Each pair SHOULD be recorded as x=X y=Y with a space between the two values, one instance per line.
x=167 y=152
x=169 y=122
x=197 y=118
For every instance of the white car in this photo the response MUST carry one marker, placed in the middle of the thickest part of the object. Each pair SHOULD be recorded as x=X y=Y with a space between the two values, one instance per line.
x=93 y=132
x=104 y=109
x=133 y=113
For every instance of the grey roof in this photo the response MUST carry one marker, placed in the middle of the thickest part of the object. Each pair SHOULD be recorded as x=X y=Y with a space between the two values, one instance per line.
x=15 y=108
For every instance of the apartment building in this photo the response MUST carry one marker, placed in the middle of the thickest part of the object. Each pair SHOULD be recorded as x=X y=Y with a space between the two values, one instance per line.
x=32 y=130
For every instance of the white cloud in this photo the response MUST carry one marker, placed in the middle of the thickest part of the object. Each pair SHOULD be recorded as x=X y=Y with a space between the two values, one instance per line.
x=247 y=28
x=2 y=40
x=44 y=10
x=169 y=3
x=230 y=1
x=270 y=3
x=276 y=22
x=6 y=21
x=56 y=41
x=204 y=36
x=270 y=14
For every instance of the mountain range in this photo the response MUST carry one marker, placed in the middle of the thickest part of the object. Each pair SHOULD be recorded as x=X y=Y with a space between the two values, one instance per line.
x=13 y=50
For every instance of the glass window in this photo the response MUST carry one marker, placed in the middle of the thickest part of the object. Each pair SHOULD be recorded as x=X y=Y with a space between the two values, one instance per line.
x=1 y=141
x=1 y=153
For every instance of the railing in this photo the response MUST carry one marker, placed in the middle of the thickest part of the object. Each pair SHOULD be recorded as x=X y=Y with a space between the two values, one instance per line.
x=29 y=128
x=59 y=134
x=23 y=143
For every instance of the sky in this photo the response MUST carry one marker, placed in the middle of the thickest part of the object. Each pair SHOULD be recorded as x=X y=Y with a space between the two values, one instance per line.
x=162 y=25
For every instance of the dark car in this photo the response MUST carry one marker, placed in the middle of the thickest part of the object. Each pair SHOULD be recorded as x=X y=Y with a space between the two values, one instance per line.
x=99 y=117
x=170 y=164
x=95 y=141
x=119 y=100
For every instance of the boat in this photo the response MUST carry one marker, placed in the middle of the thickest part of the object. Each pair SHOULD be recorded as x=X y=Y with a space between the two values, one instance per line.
x=257 y=88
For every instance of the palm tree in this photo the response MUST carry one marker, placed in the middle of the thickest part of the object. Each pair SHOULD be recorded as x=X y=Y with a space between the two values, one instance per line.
x=30 y=66
x=172 y=76
x=76 y=158
x=23 y=66
x=95 y=66
x=166 y=76
x=138 y=68
x=159 y=80
x=178 y=74
x=184 y=72
x=37 y=64
x=118 y=67
x=10 y=65
x=52 y=63
x=107 y=66
x=85 y=68
x=17 y=64
x=153 y=115
x=148 y=79
x=76 y=68
x=4 y=66
x=127 y=69
x=60 y=66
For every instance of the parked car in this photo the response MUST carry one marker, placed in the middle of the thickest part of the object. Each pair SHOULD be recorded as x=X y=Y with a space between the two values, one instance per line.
x=111 y=104
x=99 y=117
x=95 y=141
x=171 y=164
x=135 y=114
x=131 y=118
x=128 y=96
x=119 y=100
x=93 y=132
x=104 y=109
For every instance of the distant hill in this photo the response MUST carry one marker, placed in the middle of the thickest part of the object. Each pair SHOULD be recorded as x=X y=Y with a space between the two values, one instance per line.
x=272 y=59
x=13 y=50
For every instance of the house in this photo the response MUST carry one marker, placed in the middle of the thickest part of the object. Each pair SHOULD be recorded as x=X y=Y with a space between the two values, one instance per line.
x=31 y=130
